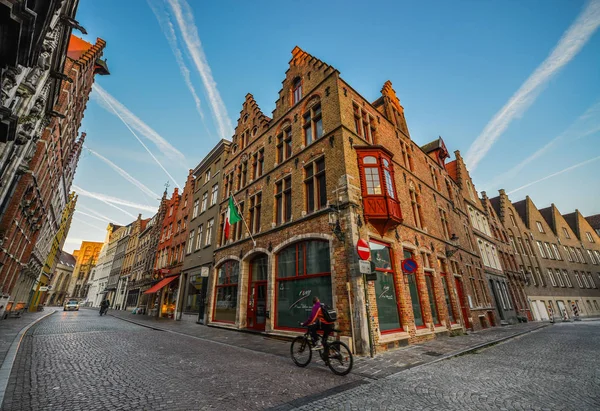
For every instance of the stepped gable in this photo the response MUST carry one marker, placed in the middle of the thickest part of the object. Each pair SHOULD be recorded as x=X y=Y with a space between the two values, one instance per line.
x=304 y=67
x=251 y=123
x=548 y=214
x=389 y=106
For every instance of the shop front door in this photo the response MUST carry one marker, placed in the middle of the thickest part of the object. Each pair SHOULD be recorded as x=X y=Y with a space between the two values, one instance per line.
x=462 y=300
x=202 y=300
x=257 y=305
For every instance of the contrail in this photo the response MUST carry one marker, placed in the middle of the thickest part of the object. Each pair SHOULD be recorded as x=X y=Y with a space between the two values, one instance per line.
x=102 y=216
x=566 y=49
x=165 y=147
x=185 y=20
x=88 y=224
x=124 y=174
x=113 y=200
x=555 y=174
x=169 y=32
x=84 y=193
x=586 y=124
x=90 y=216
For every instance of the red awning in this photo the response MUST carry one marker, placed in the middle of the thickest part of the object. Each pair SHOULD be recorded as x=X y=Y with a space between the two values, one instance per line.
x=161 y=284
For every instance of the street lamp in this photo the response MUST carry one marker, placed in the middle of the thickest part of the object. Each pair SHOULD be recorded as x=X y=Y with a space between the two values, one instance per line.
x=334 y=224
x=454 y=242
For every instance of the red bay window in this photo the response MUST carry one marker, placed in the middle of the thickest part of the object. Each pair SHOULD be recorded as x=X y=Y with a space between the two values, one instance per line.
x=380 y=202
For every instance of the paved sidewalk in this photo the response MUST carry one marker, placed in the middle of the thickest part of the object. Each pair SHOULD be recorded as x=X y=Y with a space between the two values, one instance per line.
x=10 y=328
x=381 y=366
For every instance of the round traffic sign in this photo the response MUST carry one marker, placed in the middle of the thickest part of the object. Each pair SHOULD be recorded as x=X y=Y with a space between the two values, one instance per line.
x=362 y=247
x=409 y=265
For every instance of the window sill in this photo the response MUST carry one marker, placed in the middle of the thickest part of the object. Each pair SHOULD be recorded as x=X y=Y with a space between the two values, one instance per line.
x=387 y=338
x=423 y=331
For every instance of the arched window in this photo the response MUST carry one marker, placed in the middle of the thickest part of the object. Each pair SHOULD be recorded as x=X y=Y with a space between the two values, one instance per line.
x=226 y=291
x=385 y=287
x=296 y=90
x=303 y=272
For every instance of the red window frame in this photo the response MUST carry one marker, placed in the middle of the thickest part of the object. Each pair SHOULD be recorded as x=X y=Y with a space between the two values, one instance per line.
x=437 y=308
x=380 y=155
x=412 y=255
x=394 y=276
x=296 y=277
x=217 y=286
x=445 y=276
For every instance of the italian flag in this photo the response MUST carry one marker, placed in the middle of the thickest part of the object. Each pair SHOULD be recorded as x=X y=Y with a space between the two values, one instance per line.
x=231 y=217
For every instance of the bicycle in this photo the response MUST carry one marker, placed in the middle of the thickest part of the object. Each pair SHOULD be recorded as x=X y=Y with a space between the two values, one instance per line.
x=336 y=355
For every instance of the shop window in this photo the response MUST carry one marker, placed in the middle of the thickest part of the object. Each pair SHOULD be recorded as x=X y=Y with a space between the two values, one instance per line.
x=431 y=294
x=226 y=292
x=385 y=288
x=414 y=294
x=303 y=272
x=448 y=299
x=315 y=186
x=193 y=297
x=313 y=124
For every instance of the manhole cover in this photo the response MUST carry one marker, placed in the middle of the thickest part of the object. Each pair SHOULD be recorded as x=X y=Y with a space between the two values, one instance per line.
x=433 y=353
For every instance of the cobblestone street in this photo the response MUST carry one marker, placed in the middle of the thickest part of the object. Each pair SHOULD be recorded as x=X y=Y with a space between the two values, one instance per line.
x=78 y=360
x=555 y=368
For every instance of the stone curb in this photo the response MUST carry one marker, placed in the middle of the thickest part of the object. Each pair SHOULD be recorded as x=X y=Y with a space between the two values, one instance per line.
x=471 y=349
x=11 y=356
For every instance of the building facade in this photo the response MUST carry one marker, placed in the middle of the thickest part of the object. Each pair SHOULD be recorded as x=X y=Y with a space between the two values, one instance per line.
x=97 y=280
x=87 y=257
x=115 y=281
x=138 y=226
x=143 y=273
x=57 y=289
x=198 y=260
x=336 y=168
x=552 y=256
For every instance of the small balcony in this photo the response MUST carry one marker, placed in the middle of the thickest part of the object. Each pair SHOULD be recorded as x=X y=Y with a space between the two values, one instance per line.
x=382 y=212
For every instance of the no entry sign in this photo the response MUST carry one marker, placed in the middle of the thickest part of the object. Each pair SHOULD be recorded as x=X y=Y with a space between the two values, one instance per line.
x=409 y=265
x=363 y=250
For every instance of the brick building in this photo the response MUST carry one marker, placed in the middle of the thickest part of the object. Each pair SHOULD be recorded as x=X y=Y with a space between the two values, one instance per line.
x=138 y=226
x=334 y=168
x=204 y=217
x=87 y=256
x=60 y=279
x=162 y=294
x=97 y=280
x=143 y=272
x=493 y=304
x=556 y=261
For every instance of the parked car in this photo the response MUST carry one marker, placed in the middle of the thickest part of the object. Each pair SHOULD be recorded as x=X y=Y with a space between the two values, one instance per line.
x=71 y=305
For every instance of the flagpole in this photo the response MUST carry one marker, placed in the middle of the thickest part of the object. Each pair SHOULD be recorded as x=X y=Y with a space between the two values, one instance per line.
x=243 y=219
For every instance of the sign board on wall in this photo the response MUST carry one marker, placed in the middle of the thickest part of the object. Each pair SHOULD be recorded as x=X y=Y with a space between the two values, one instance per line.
x=204 y=272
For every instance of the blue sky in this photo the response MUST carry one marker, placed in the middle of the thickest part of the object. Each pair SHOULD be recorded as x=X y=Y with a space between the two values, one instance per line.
x=455 y=67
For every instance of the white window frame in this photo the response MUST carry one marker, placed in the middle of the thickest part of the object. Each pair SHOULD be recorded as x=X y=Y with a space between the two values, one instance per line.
x=566 y=232
x=196 y=207
x=578 y=280
x=549 y=250
x=589 y=236
x=505 y=290
x=214 y=194
x=565 y=274
x=559 y=278
x=199 y=237
x=541 y=248
x=580 y=255
x=190 y=244
x=569 y=257
x=555 y=249
x=575 y=257
x=540 y=227
x=551 y=276
x=209 y=230
x=592 y=282
x=585 y=281
x=592 y=258
x=207 y=177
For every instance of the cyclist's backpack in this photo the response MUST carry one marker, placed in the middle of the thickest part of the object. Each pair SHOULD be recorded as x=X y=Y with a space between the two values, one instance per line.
x=329 y=313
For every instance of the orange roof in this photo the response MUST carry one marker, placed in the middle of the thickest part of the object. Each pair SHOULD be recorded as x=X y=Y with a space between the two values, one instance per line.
x=77 y=47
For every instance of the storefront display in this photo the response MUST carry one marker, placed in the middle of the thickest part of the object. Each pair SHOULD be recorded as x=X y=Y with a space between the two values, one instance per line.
x=303 y=272
x=226 y=292
x=385 y=288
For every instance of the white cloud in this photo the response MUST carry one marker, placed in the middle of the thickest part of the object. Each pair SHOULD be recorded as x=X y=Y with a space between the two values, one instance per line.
x=114 y=200
x=124 y=174
x=567 y=48
x=586 y=124
x=88 y=224
x=169 y=32
x=97 y=214
x=189 y=32
x=583 y=163
x=132 y=121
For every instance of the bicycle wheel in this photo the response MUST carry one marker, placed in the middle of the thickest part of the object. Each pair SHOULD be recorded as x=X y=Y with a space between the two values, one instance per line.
x=340 y=358
x=300 y=351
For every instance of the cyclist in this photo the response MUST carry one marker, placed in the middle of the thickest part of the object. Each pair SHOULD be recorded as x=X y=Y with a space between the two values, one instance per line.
x=316 y=322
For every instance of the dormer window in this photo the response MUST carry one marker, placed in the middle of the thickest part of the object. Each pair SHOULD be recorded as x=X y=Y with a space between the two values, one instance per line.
x=296 y=90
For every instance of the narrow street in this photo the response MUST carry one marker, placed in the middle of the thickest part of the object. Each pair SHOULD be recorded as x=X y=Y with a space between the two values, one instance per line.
x=79 y=360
